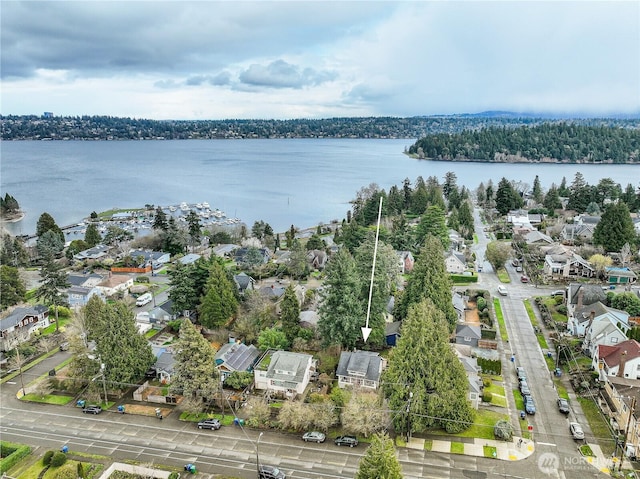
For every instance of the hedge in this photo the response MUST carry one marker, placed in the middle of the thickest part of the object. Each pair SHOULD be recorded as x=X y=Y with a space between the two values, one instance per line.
x=460 y=278
x=11 y=454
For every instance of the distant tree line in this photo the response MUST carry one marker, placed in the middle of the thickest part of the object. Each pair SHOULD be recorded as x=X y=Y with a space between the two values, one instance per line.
x=558 y=142
x=32 y=127
x=8 y=205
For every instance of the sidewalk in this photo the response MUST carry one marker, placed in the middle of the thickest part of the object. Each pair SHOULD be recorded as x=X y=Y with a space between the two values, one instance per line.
x=503 y=450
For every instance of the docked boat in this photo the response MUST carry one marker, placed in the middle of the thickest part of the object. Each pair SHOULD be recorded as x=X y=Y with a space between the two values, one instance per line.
x=205 y=205
x=184 y=206
x=172 y=208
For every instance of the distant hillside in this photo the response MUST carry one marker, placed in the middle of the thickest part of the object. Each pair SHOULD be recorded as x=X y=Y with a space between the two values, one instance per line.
x=548 y=142
x=113 y=128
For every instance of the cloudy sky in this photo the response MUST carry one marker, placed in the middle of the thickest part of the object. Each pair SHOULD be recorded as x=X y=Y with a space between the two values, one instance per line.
x=318 y=59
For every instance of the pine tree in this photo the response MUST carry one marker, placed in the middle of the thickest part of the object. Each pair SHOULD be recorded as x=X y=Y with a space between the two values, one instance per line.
x=219 y=304
x=537 y=190
x=615 y=228
x=429 y=279
x=424 y=377
x=342 y=312
x=195 y=374
x=433 y=223
x=54 y=281
x=160 y=220
x=12 y=288
x=290 y=313
x=380 y=460
x=92 y=236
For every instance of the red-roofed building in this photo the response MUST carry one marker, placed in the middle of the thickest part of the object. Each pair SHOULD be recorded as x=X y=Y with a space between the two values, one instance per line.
x=622 y=360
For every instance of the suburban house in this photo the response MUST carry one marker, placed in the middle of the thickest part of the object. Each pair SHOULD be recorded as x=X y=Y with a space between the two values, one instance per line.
x=189 y=258
x=283 y=372
x=473 y=376
x=165 y=366
x=225 y=250
x=459 y=305
x=536 y=237
x=272 y=292
x=519 y=218
x=156 y=259
x=392 y=332
x=162 y=313
x=97 y=252
x=620 y=275
x=619 y=400
x=360 y=369
x=78 y=296
x=455 y=262
x=235 y=357
x=580 y=295
x=577 y=232
x=244 y=283
x=601 y=333
x=85 y=280
x=622 y=360
x=468 y=334
x=309 y=319
x=581 y=319
x=567 y=266
x=317 y=258
x=17 y=326
x=405 y=261
x=115 y=283
x=240 y=255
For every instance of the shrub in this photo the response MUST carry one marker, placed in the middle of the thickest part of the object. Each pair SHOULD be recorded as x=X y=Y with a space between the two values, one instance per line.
x=487 y=396
x=80 y=471
x=46 y=459
x=143 y=279
x=481 y=303
x=67 y=471
x=174 y=475
x=58 y=459
x=486 y=382
x=503 y=430
x=175 y=325
x=11 y=454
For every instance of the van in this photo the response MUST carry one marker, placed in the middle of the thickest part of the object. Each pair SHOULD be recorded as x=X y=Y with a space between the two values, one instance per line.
x=144 y=299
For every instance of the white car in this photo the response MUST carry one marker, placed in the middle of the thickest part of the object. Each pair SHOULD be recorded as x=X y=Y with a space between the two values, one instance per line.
x=502 y=290
x=576 y=430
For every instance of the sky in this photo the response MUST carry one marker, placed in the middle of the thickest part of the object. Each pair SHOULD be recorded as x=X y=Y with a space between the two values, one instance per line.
x=318 y=59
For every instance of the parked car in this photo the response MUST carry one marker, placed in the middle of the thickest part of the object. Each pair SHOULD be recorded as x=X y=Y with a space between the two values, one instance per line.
x=529 y=404
x=563 y=406
x=520 y=372
x=314 y=436
x=209 y=424
x=92 y=409
x=350 y=441
x=524 y=388
x=524 y=278
x=558 y=292
x=502 y=290
x=270 y=472
x=576 y=430
x=519 y=269
x=64 y=346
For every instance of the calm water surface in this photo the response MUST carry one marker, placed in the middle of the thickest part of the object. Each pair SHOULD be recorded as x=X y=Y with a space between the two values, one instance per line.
x=282 y=182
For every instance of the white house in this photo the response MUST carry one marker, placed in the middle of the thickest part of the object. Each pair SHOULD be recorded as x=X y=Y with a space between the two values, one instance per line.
x=602 y=333
x=114 y=284
x=454 y=262
x=360 y=369
x=622 y=360
x=20 y=323
x=283 y=372
x=581 y=318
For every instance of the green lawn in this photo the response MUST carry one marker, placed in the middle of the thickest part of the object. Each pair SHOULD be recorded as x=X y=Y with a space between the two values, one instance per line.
x=481 y=428
x=503 y=328
x=490 y=451
x=498 y=397
x=457 y=448
x=598 y=424
x=503 y=276
x=48 y=399
x=542 y=341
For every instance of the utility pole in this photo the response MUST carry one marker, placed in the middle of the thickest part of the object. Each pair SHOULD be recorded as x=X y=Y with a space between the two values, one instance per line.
x=626 y=430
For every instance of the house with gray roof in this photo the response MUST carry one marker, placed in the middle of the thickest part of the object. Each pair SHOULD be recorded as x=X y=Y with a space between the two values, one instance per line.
x=97 y=252
x=620 y=275
x=244 y=283
x=156 y=258
x=78 y=296
x=454 y=262
x=225 y=250
x=283 y=372
x=165 y=366
x=18 y=325
x=468 y=334
x=580 y=294
x=189 y=258
x=360 y=369
x=236 y=357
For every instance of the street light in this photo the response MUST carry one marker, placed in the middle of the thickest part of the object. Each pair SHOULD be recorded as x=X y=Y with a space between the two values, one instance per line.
x=257 y=456
x=409 y=416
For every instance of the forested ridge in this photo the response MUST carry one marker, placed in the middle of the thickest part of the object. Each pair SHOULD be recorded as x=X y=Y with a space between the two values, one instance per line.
x=32 y=127
x=547 y=142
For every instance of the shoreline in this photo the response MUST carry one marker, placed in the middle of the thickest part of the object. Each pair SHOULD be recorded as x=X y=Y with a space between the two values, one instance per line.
x=19 y=217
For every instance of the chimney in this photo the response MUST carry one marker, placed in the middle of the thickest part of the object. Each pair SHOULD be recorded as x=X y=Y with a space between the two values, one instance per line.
x=592 y=316
x=622 y=364
x=580 y=297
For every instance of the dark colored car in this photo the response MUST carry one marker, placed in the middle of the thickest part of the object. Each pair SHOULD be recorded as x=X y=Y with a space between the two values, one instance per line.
x=350 y=441
x=522 y=375
x=524 y=388
x=209 y=424
x=92 y=409
x=270 y=472
x=563 y=406
x=529 y=405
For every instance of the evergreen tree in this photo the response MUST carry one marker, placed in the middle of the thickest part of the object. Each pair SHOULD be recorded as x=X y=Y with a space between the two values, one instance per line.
x=12 y=288
x=424 y=377
x=272 y=338
x=552 y=200
x=481 y=194
x=92 y=236
x=125 y=353
x=429 y=279
x=53 y=282
x=47 y=223
x=12 y=251
x=183 y=292
x=160 y=220
x=465 y=218
x=433 y=223
x=401 y=236
x=219 y=304
x=507 y=198
x=563 y=190
x=615 y=228
x=579 y=194
x=290 y=313
x=195 y=373
x=380 y=460
x=173 y=240
x=49 y=244
x=341 y=311
x=194 y=227
x=537 y=190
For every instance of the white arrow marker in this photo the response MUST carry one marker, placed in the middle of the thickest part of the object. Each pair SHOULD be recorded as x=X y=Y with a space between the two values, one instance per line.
x=366 y=331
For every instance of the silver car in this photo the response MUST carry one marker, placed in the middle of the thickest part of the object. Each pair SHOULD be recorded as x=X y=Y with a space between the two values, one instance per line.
x=576 y=430
x=314 y=436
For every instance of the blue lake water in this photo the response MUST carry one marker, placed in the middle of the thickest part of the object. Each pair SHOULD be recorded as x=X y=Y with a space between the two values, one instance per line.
x=282 y=182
